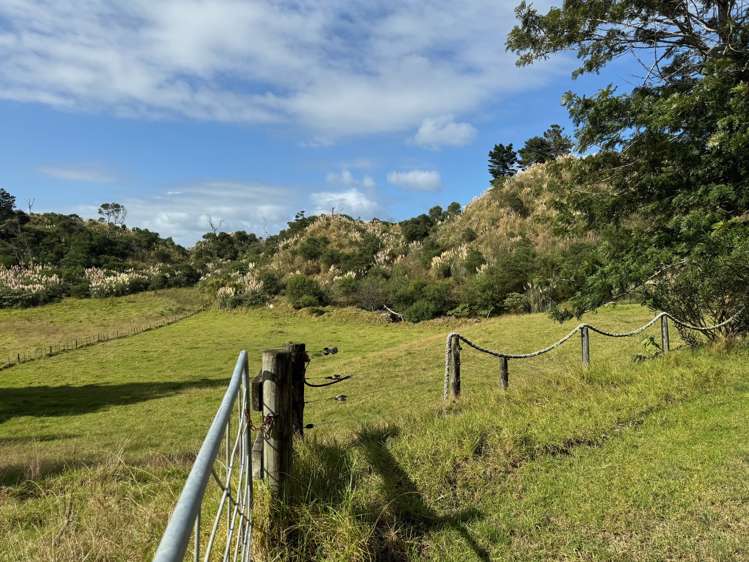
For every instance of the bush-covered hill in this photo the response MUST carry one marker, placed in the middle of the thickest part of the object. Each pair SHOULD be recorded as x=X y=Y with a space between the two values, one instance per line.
x=47 y=255
x=500 y=253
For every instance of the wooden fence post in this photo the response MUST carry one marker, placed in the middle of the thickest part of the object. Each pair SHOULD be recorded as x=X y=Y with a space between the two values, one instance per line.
x=453 y=367
x=277 y=419
x=298 y=368
x=665 y=343
x=585 y=339
x=504 y=373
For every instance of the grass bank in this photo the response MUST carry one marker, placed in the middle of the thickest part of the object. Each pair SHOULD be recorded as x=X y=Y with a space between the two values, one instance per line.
x=28 y=330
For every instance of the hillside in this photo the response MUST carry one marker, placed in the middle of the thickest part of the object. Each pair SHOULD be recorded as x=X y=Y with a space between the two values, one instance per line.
x=45 y=256
x=501 y=253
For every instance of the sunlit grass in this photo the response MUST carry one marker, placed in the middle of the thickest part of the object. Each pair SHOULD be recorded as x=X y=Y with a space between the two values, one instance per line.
x=30 y=330
x=391 y=472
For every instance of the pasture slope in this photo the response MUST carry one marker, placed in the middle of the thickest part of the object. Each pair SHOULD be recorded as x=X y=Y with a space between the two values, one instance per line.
x=26 y=331
x=622 y=461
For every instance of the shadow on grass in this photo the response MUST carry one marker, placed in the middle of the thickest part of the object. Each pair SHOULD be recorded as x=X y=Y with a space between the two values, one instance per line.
x=408 y=506
x=403 y=508
x=47 y=401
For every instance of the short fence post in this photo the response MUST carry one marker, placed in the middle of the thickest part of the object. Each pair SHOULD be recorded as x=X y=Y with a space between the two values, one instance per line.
x=453 y=368
x=585 y=339
x=298 y=367
x=277 y=419
x=504 y=373
x=665 y=343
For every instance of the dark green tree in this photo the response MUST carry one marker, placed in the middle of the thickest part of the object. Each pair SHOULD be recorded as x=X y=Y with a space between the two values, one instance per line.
x=559 y=143
x=7 y=204
x=436 y=213
x=503 y=161
x=667 y=180
x=536 y=150
x=112 y=213
x=552 y=145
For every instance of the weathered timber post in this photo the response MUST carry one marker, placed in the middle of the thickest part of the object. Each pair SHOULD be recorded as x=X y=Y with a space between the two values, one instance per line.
x=665 y=343
x=298 y=368
x=453 y=368
x=585 y=339
x=277 y=419
x=504 y=373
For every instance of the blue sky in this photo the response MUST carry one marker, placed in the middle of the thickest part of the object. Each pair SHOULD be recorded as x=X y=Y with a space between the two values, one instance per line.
x=243 y=113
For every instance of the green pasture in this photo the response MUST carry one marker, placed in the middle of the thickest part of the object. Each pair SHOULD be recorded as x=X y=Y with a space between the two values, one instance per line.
x=622 y=461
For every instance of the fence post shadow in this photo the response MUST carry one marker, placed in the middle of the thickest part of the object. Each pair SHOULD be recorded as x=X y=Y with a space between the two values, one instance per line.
x=403 y=496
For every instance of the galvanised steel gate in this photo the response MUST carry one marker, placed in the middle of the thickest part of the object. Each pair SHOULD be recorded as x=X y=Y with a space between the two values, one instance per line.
x=229 y=536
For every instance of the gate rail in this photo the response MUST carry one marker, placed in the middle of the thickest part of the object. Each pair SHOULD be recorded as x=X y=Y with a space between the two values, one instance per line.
x=234 y=530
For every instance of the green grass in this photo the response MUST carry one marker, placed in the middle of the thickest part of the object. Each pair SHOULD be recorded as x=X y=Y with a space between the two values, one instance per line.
x=31 y=329
x=621 y=461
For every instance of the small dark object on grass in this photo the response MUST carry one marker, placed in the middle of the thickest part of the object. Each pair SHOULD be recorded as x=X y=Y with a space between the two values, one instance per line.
x=341 y=398
x=329 y=350
x=309 y=426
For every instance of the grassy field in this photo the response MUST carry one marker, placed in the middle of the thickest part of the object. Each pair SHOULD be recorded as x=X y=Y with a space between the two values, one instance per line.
x=622 y=461
x=30 y=329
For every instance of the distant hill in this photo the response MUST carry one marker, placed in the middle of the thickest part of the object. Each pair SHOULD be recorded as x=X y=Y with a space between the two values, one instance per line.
x=499 y=253
x=47 y=255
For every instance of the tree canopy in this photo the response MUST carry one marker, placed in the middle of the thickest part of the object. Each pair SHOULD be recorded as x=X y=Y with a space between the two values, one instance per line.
x=667 y=179
x=502 y=161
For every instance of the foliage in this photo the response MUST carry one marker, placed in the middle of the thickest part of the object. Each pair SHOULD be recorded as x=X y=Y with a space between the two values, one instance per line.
x=32 y=285
x=112 y=213
x=302 y=291
x=503 y=161
x=417 y=228
x=538 y=150
x=7 y=204
x=671 y=169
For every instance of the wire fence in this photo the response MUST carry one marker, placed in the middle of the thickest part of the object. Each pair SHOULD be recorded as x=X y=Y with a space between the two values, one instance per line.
x=228 y=536
x=451 y=387
x=50 y=350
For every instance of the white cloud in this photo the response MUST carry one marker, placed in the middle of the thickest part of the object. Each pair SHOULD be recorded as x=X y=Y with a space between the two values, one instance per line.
x=436 y=132
x=347 y=179
x=77 y=173
x=351 y=202
x=419 y=180
x=185 y=214
x=336 y=68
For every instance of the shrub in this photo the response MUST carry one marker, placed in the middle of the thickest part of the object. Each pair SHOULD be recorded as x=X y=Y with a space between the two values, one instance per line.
x=421 y=310
x=272 y=285
x=373 y=293
x=28 y=285
x=474 y=260
x=106 y=283
x=303 y=291
x=312 y=248
x=468 y=235
x=711 y=286
x=516 y=303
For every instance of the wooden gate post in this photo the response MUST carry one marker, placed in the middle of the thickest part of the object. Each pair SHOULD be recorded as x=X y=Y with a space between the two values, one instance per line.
x=585 y=339
x=298 y=368
x=665 y=343
x=504 y=373
x=277 y=424
x=453 y=368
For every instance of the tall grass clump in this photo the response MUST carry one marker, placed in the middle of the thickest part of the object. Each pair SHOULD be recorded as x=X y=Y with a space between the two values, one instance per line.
x=28 y=285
